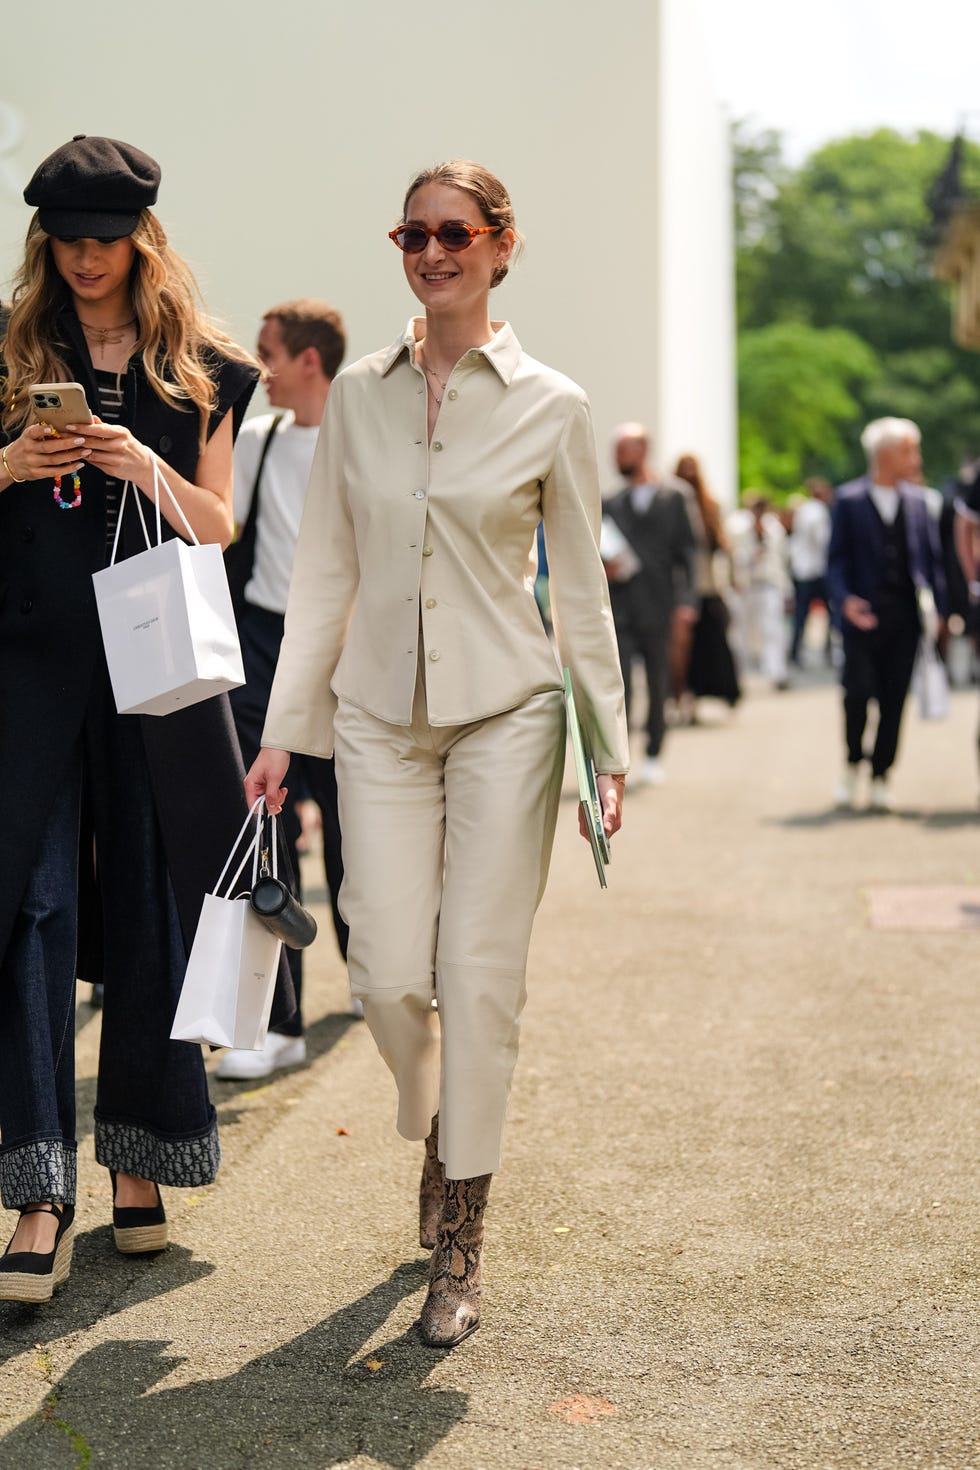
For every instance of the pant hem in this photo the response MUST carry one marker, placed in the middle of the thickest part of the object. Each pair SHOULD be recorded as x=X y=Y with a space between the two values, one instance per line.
x=131 y=1148
x=46 y=1169
x=287 y=1029
x=486 y=1166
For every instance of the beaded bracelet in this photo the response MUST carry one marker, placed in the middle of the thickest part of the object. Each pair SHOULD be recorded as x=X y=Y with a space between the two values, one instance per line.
x=76 y=485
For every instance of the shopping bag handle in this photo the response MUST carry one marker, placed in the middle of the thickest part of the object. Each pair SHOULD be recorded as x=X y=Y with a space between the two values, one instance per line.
x=158 y=480
x=252 y=850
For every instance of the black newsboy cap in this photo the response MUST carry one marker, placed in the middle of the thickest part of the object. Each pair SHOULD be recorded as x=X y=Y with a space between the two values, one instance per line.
x=93 y=187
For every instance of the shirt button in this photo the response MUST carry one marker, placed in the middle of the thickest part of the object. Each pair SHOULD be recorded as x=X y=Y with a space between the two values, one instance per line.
x=27 y=534
x=419 y=494
x=26 y=605
x=452 y=395
x=426 y=550
x=437 y=445
x=435 y=655
x=430 y=602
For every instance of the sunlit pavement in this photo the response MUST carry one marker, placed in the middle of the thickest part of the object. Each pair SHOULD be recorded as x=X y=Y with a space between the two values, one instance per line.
x=737 y=1220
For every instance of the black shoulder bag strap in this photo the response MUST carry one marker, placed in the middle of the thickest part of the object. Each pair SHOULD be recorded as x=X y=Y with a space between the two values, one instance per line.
x=240 y=555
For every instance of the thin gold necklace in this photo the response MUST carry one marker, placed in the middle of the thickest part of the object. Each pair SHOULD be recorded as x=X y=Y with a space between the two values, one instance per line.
x=433 y=374
x=108 y=336
x=442 y=383
x=104 y=334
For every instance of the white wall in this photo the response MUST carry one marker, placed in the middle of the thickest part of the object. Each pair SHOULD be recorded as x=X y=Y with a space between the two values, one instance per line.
x=287 y=134
x=696 y=277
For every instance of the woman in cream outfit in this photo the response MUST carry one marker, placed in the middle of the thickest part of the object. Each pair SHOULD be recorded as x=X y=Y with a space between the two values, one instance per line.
x=414 y=650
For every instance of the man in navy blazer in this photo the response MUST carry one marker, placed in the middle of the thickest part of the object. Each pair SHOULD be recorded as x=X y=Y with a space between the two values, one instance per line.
x=884 y=562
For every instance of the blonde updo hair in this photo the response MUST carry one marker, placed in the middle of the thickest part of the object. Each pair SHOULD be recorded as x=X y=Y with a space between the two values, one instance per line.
x=483 y=187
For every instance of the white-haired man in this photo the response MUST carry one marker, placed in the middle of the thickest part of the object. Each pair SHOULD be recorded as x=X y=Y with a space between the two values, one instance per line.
x=884 y=556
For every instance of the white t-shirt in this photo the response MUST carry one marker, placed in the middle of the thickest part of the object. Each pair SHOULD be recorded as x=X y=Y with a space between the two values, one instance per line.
x=641 y=498
x=886 y=499
x=282 y=494
x=809 y=541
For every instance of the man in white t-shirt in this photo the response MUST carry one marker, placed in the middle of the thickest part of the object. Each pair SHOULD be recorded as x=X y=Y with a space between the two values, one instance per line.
x=809 y=543
x=301 y=346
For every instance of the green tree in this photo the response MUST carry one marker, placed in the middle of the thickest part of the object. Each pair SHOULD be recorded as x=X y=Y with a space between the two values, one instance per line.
x=798 y=400
x=843 y=242
x=760 y=172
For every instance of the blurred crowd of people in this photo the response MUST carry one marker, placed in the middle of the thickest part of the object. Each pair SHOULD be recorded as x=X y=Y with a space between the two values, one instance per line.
x=876 y=579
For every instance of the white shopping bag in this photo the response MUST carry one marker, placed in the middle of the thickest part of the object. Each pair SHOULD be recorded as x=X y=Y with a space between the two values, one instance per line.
x=168 y=627
x=929 y=682
x=231 y=974
x=621 y=561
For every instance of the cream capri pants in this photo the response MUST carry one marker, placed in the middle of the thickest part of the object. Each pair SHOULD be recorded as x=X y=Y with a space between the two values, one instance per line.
x=447 y=835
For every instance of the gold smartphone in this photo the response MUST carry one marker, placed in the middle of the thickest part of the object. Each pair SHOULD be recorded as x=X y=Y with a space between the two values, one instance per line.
x=58 y=404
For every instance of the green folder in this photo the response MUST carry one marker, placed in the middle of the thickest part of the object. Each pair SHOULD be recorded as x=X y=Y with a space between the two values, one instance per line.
x=588 y=787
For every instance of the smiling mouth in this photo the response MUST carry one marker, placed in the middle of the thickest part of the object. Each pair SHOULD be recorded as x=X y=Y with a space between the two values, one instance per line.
x=439 y=275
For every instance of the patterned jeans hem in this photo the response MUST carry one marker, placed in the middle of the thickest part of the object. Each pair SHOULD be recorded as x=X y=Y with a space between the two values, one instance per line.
x=46 y=1169
x=180 y=1162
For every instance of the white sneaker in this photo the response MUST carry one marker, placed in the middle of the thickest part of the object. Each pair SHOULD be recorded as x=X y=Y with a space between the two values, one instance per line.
x=357 y=1007
x=845 y=792
x=279 y=1051
x=651 y=773
x=880 y=798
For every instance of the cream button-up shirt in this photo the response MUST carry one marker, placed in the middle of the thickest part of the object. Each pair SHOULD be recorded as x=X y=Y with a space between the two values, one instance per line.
x=402 y=538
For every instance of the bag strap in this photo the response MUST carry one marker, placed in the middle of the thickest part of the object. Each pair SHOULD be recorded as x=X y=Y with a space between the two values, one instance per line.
x=273 y=844
x=158 y=480
x=253 y=506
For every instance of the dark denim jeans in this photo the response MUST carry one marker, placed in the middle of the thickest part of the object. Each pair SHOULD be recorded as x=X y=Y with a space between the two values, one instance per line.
x=805 y=592
x=153 y=1115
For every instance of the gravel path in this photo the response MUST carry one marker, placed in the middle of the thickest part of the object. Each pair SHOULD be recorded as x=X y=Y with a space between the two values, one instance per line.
x=737 y=1221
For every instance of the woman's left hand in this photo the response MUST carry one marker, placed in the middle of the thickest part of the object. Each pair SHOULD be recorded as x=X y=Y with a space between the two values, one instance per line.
x=116 y=452
x=612 y=790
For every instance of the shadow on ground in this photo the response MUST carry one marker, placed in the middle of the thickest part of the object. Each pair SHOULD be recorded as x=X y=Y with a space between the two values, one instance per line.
x=102 y=1283
x=834 y=816
x=316 y=1401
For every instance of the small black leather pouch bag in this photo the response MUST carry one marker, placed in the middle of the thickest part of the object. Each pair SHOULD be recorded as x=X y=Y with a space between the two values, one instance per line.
x=273 y=902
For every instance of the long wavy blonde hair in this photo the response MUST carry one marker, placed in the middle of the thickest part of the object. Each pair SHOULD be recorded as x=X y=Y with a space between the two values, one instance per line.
x=176 y=340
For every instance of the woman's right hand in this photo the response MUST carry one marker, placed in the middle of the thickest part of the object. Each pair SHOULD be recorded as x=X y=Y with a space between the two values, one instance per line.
x=40 y=454
x=266 y=777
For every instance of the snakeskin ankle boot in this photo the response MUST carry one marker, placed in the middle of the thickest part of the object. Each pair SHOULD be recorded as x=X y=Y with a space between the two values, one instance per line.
x=432 y=1187
x=452 y=1307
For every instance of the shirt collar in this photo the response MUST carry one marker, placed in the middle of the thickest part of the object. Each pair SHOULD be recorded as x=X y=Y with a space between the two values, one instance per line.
x=900 y=488
x=502 y=352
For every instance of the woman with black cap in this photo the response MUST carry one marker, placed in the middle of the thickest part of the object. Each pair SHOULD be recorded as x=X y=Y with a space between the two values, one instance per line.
x=101 y=299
